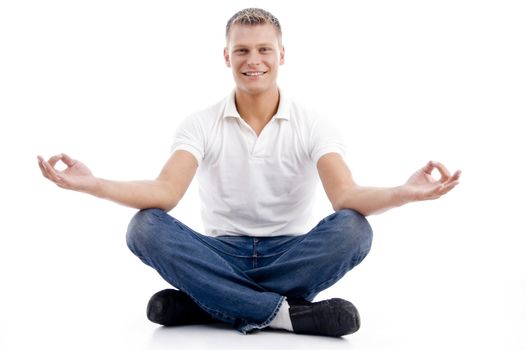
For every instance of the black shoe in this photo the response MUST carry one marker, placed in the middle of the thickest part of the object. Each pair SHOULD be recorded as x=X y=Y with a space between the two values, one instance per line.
x=333 y=318
x=171 y=307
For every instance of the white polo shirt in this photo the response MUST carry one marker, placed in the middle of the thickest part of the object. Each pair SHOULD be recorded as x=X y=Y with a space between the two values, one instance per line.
x=257 y=186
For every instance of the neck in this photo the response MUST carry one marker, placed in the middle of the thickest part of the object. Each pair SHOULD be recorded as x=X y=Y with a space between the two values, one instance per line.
x=258 y=108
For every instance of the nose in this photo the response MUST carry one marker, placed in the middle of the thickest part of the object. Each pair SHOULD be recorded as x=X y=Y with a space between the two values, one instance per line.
x=253 y=58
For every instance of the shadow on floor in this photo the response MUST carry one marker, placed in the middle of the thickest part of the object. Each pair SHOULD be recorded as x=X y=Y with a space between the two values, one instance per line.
x=220 y=336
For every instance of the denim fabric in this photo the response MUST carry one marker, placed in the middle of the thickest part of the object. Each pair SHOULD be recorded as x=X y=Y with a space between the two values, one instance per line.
x=243 y=280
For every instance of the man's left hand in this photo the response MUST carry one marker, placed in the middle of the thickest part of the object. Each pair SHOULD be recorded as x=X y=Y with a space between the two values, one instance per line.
x=423 y=186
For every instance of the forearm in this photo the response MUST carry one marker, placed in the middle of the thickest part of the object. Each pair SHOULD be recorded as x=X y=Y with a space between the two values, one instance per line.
x=136 y=194
x=370 y=200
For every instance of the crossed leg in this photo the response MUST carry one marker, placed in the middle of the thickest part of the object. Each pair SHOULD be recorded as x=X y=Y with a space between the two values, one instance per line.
x=248 y=298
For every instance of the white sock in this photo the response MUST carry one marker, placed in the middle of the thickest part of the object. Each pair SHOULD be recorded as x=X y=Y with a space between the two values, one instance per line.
x=282 y=319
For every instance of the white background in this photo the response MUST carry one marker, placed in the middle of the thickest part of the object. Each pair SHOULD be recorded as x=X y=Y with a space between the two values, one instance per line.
x=407 y=81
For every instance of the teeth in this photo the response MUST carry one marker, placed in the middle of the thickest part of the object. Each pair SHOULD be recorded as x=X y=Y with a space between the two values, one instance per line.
x=253 y=74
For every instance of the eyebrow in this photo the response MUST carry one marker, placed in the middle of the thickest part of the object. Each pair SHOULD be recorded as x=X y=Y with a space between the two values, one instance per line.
x=244 y=45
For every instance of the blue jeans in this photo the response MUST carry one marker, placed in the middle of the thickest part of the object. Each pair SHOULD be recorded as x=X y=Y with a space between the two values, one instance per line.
x=243 y=280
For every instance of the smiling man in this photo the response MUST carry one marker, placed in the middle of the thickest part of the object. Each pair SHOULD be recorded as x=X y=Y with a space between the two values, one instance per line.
x=258 y=157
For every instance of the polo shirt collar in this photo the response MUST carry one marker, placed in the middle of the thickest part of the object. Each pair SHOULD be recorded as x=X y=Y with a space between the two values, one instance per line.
x=283 y=111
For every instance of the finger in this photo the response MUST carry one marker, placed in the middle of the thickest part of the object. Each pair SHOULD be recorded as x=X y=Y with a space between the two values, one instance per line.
x=456 y=175
x=448 y=187
x=68 y=160
x=443 y=190
x=53 y=160
x=432 y=192
x=45 y=170
x=51 y=172
x=428 y=168
x=41 y=166
x=453 y=178
x=444 y=173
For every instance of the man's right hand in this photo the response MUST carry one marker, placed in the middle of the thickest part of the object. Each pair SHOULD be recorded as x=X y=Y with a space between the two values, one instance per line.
x=163 y=192
x=76 y=176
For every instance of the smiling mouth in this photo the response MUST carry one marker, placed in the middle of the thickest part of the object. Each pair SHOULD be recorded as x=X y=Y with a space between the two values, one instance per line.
x=253 y=74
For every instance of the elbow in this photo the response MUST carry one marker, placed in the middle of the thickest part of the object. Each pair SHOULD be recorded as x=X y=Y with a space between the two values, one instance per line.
x=164 y=207
x=165 y=204
x=341 y=200
x=169 y=206
x=351 y=207
x=345 y=201
x=338 y=205
x=168 y=197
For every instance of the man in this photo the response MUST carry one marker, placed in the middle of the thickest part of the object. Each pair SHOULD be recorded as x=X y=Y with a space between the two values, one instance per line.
x=258 y=156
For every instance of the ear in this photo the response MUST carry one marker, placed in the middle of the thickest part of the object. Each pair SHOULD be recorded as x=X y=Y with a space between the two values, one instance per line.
x=282 y=55
x=227 y=57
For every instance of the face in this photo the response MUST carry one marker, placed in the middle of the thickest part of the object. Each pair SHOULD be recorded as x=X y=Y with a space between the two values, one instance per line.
x=254 y=54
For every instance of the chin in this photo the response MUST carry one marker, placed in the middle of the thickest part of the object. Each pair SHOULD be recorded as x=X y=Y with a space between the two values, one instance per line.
x=255 y=90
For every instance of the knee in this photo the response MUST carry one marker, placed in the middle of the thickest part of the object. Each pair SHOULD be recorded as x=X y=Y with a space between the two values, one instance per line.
x=141 y=227
x=355 y=232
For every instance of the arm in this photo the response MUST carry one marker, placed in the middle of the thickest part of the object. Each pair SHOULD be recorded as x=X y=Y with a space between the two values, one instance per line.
x=164 y=192
x=343 y=192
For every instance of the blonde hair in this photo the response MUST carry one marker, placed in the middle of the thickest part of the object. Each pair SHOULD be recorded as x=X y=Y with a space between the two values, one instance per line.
x=251 y=17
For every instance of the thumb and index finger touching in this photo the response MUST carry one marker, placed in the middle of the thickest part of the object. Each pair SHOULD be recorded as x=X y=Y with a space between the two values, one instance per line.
x=61 y=157
x=48 y=167
x=445 y=175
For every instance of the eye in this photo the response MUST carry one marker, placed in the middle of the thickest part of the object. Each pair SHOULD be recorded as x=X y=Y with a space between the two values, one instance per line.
x=240 y=51
x=265 y=49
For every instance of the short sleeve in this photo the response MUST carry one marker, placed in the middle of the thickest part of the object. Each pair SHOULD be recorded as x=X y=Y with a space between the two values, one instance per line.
x=325 y=138
x=189 y=136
